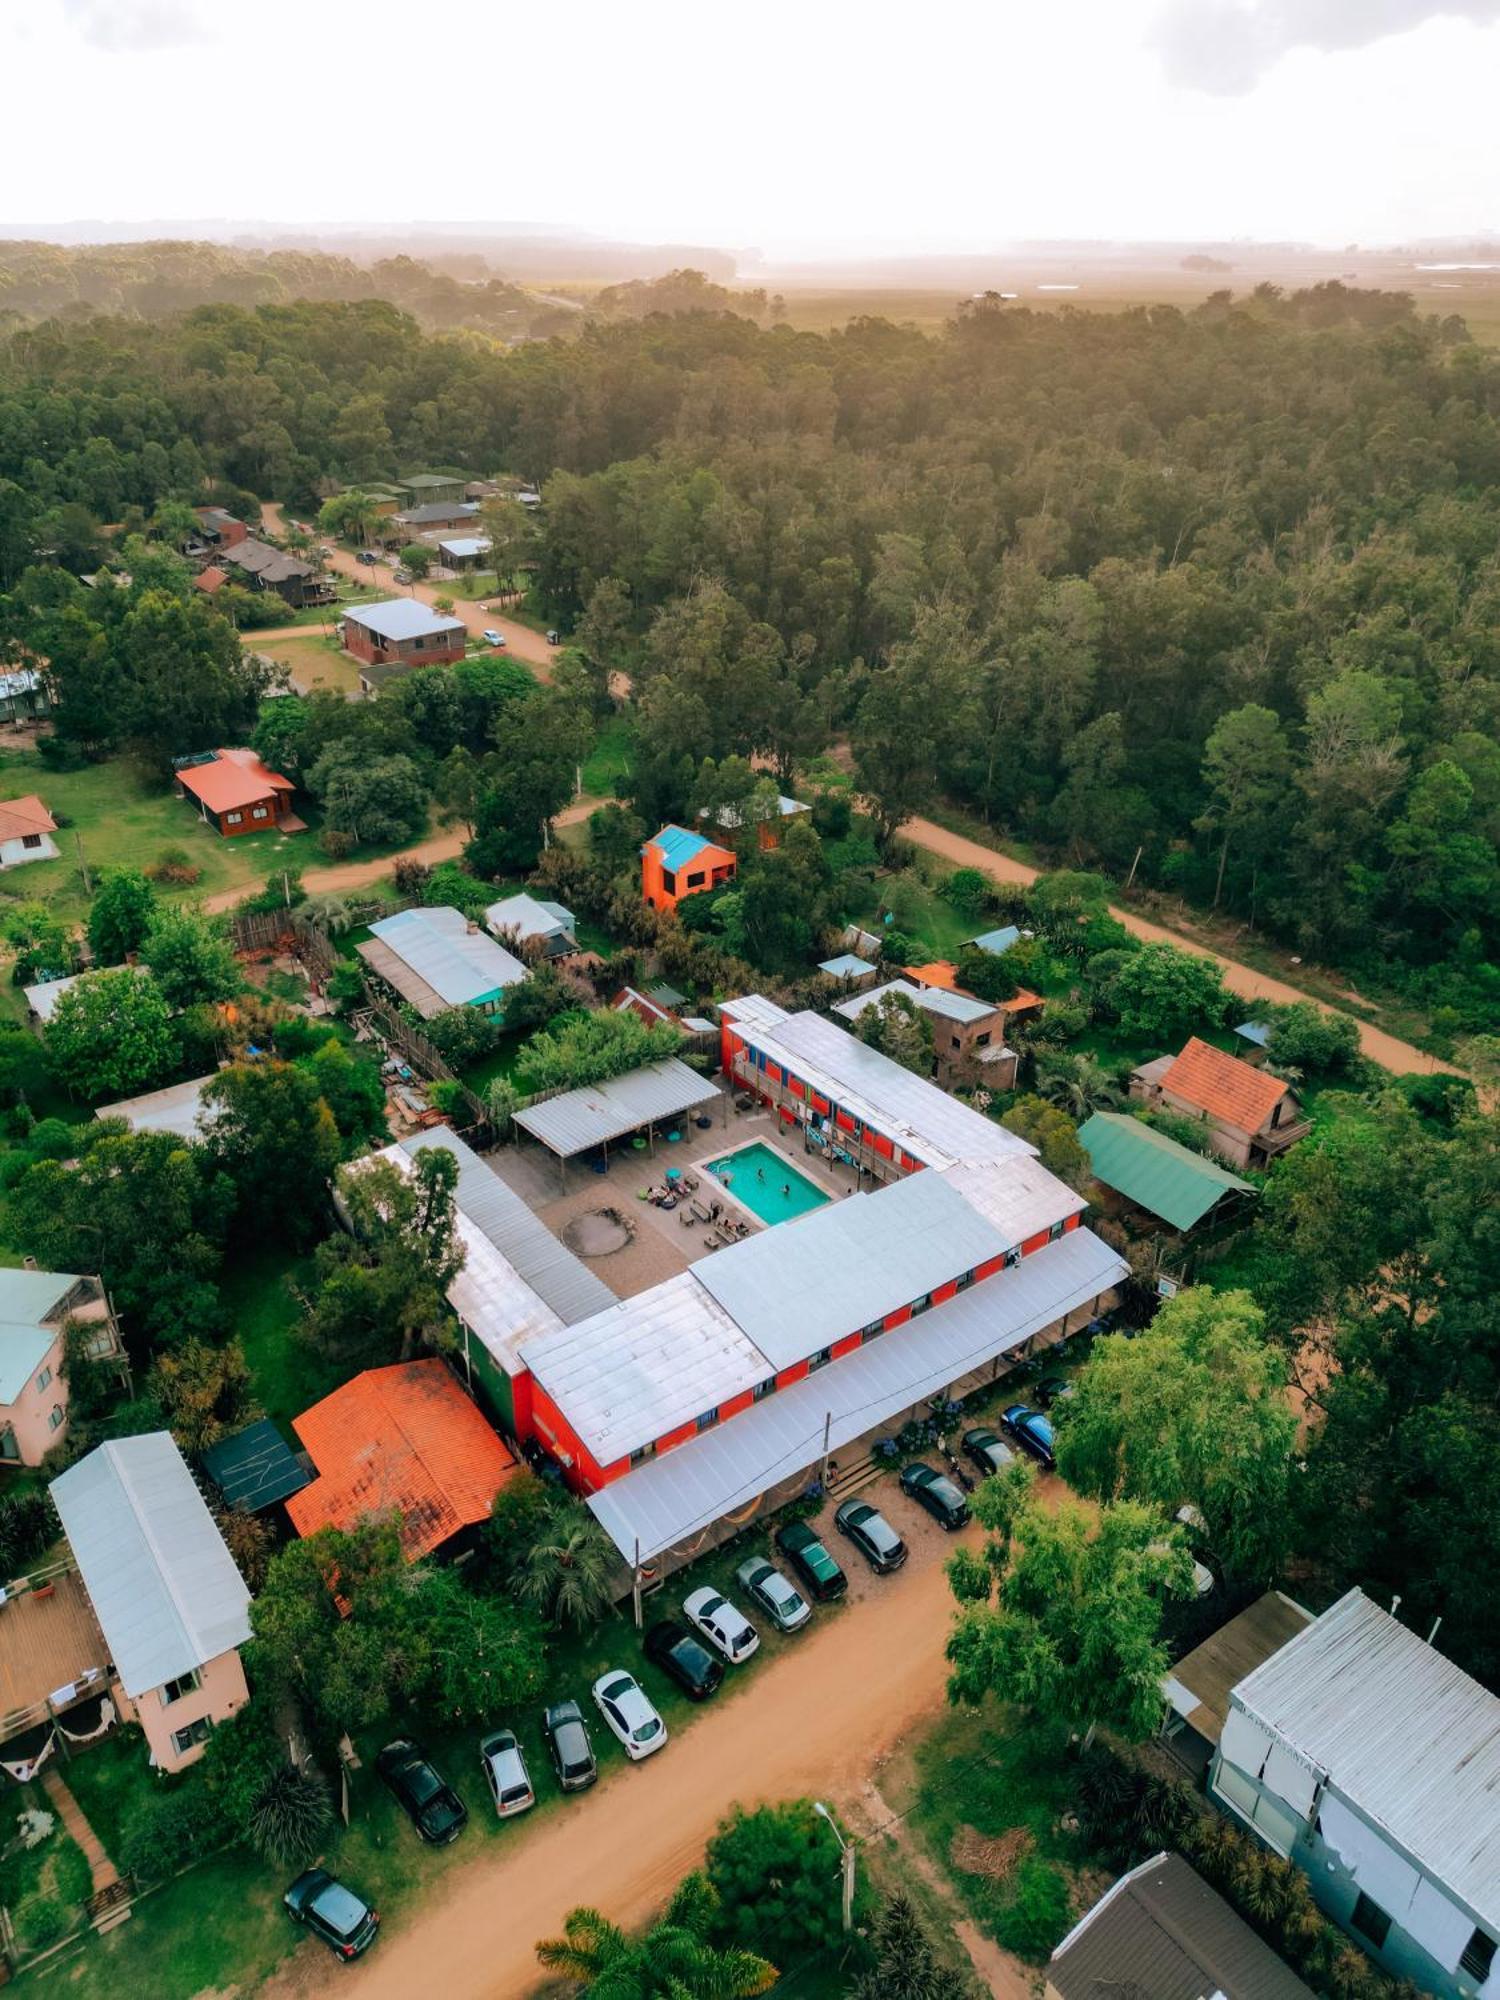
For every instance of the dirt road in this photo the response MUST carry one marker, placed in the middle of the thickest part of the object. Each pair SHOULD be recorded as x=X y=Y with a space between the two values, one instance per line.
x=1387 y=1050
x=519 y=639
x=815 y=1722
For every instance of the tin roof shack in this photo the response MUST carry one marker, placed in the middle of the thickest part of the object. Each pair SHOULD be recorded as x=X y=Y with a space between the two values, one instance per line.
x=1374 y=1763
x=1153 y=1173
x=436 y=959
x=528 y=917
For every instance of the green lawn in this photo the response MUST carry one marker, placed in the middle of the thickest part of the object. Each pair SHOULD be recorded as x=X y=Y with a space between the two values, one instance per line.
x=609 y=758
x=288 y=1375
x=313 y=659
x=55 y=1872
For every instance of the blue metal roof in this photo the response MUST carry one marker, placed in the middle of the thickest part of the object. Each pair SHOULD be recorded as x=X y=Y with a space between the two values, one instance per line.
x=1258 y=1032
x=847 y=966
x=678 y=847
x=998 y=941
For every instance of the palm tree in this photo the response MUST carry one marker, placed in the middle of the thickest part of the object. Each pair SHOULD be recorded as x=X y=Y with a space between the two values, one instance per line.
x=568 y=1572
x=670 y=1961
x=1080 y=1084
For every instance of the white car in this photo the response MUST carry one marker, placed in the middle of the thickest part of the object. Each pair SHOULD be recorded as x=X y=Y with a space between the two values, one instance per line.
x=726 y=1629
x=505 y=1773
x=630 y=1716
x=493 y=638
x=776 y=1595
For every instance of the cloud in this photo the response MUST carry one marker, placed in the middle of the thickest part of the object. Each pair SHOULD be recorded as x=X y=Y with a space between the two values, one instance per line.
x=136 y=27
x=1226 y=46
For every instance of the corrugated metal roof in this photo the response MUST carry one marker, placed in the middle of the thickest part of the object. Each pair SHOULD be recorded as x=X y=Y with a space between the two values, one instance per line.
x=932 y=999
x=1258 y=1032
x=401 y=618
x=603 y=1111
x=996 y=942
x=460 y=965
x=678 y=846
x=801 y=1286
x=178 y=1109
x=677 y=1495
x=1402 y=1733
x=255 y=1467
x=846 y=966
x=1162 y=1933
x=1017 y=1194
x=466 y=545
x=163 y=1586
x=42 y=998
x=529 y=917
x=646 y=1366
x=23 y=1348
x=27 y=1300
x=1154 y=1171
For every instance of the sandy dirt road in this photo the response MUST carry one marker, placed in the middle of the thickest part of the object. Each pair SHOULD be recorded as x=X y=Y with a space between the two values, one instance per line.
x=519 y=639
x=815 y=1722
x=1387 y=1050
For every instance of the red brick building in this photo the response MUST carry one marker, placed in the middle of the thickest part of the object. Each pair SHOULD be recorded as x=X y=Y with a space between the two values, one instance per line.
x=402 y=633
x=235 y=792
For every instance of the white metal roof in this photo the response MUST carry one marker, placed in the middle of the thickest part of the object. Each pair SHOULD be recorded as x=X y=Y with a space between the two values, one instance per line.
x=459 y=964
x=600 y=1112
x=933 y=999
x=528 y=916
x=1400 y=1731
x=163 y=1585
x=27 y=1300
x=44 y=996
x=400 y=618
x=178 y=1109
x=848 y=965
x=926 y=1121
x=649 y=1364
x=466 y=545
x=676 y=1496
x=799 y=1287
x=1018 y=1195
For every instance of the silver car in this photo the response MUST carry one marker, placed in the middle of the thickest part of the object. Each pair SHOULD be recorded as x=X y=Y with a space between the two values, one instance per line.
x=505 y=1773
x=726 y=1629
x=776 y=1595
x=623 y=1703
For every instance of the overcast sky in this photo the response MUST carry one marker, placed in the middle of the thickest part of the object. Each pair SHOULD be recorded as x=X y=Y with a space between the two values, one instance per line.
x=794 y=125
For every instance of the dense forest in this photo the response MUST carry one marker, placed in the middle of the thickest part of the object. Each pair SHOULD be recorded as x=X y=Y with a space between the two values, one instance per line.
x=1211 y=596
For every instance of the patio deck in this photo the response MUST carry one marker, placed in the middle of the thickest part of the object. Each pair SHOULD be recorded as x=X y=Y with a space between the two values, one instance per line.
x=47 y=1642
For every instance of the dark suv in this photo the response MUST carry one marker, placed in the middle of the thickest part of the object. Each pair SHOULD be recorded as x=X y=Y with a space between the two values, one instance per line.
x=345 y=1922
x=427 y=1799
x=572 y=1753
x=674 y=1649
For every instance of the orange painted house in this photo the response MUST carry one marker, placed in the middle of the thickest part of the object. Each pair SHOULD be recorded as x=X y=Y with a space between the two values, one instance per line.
x=676 y=863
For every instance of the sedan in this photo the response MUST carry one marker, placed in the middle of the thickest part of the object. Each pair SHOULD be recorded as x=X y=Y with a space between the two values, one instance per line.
x=776 y=1595
x=622 y=1702
x=493 y=638
x=345 y=1922
x=572 y=1753
x=728 y=1630
x=684 y=1659
x=811 y=1561
x=1054 y=1389
x=989 y=1452
x=936 y=1492
x=505 y=1773
x=367 y=556
x=429 y=1802
x=872 y=1534
x=1032 y=1432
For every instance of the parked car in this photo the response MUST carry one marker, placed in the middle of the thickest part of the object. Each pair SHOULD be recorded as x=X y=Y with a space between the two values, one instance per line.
x=630 y=1716
x=725 y=1627
x=989 y=1452
x=812 y=1562
x=776 y=1594
x=367 y=556
x=492 y=637
x=554 y=638
x=940 y=1495
x=568 y=1742
x=684 y=1659
x=345 y=1922
x=872 y=1534
x=505 y=1773
x=1032 y=1432
x=427 y=1799
x=1054 y=1389
x=401 y=576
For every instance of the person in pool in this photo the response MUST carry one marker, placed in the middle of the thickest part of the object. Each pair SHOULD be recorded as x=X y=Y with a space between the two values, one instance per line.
x=760 y=1173
x=786 y=1192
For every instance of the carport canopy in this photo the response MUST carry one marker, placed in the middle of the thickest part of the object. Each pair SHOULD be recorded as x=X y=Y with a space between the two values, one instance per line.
x=580 y=1120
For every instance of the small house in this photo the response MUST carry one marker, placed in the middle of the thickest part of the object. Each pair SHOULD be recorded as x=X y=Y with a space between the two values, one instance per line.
x=23 y=695
x=768 y=829
x=179 y=1110
x=36 y=1308
x=402 y=632
x=853 y=972
x=171 y=1605
x=236 y=793
x=219 y=528
x=994 y=944
x=26 y=830
x=676 y=863
x=427 y=517
x=437 y=959
x=432 y=488
x=1251 y=1115
x=464 y=551
x=968 y=1035
x=257 y=566
x=527 y=917
x=1149 y=1171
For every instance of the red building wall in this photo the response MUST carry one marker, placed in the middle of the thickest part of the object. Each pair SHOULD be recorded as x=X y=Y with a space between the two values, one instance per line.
x=434 y=652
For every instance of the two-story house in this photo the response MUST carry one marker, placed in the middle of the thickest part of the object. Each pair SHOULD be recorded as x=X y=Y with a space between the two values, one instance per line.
x=1374 y=1763
x=1251 y=1115
x=968 y=1035
x=35 y=1310
x=401 y=632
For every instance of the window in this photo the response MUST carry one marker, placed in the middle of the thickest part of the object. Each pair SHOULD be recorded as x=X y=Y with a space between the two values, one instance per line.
x=44 y=1378
x=982 y=1041
x=962 y=1284
x=234 y=819
x=99 y=1344
x=187 y=1683
x=669 y=881
x=31 y=840
x=1478 y=1956
x=695 y=881
x=10 y=1451
x=1054 y=1232
x=1370 y=1921
x=259 y=812
x=646 y=1451
x=875 y=1329
x=197 y=1732
x=820 y=1360
x=920 y=1305
x=55 y=1417
x=763 y=1389
x=709 y=1418
x=957 y=1041
x=1012 y=1258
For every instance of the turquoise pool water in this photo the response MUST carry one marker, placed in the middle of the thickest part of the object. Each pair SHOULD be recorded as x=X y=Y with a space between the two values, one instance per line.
x=758 y=1174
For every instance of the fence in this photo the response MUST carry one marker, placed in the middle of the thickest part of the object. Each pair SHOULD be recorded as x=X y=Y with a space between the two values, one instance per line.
x=414 y=1047
x=260 y=930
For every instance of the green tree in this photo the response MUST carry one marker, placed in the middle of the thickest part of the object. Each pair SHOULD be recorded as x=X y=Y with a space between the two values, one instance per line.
x=909 y=716
x=590 y=1048
x=381 y=799
x=267 y=1125
x=568 y=1571
x=381 y=1285
x=774 y=1872
x=190 y=958
x=291 y=1817
x=112 y=1036
x=1054 y=1135
x=353 y=515
x=204 y=1392
x=1078 y=1085
x=900 y=1029
x=673 y=1960
x=120 y=915
x=1313 y=1039
x=417 y=558
x=42 y=943
x=1193 y=1411
x=1246 y=762
x=488 y=1657
x=348 y=1081
x=906 y=1966
x=1162 y=994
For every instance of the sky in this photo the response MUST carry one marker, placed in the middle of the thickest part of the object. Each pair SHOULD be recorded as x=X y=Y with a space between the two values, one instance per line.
x=800 y=127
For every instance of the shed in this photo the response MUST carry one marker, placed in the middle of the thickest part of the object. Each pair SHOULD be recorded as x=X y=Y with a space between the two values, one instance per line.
x=254 y=1468
x=848 y=965
x=436 y=959
x=579 y=1120
x=1155 y=1172
x=534 y=917
x=995 y=942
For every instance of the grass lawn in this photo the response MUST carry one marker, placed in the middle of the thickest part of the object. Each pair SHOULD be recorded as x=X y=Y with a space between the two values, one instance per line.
x=54 y=1872
x=609 y=759
x=287 y=1374
x=314 y=660
x=918 y=910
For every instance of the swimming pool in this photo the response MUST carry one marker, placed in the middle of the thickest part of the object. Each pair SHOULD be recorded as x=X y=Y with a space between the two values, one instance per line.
x=767 y=1183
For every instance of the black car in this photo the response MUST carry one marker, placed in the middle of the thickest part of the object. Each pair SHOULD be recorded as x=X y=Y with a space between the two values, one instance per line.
x=366 y=556
x=812 y=1562
x=568 y=1742
x=344 y=1921
x=429 y=1802
x=1054 y=1389
x=872 y=1534
x=673 y=1648
x=1032 y=1433
x=939 y=1494
x=988 y=1450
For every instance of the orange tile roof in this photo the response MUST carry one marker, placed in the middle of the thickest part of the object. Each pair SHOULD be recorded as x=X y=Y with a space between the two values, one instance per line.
x=403 y=1437
x=1020 y=1002
x=211 y=579
x=19 y=817
x=939 y=973
x=1222 y=1086
x=234 y=780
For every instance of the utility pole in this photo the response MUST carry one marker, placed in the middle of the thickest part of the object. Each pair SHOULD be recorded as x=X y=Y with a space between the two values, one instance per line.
x=635 y=1585
x=827 y=1429
x=846 y=1863
x=83 y=866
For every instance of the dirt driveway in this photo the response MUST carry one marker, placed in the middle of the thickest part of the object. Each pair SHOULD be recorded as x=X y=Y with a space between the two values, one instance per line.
x=1387 y=1050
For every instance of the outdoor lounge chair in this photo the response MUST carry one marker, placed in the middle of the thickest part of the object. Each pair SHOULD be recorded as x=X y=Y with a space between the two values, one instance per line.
x=703 y=1214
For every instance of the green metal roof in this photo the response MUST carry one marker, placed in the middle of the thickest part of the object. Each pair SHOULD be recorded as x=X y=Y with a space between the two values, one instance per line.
x=1153 y=1171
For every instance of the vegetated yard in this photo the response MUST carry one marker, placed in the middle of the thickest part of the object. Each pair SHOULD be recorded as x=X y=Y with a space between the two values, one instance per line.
x=123 y=818
x=287 y=1375
x=609 y=759
x=33 y=1880
x=313 y=659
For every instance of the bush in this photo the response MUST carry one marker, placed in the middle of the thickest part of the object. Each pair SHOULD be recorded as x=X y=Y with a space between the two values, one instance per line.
x=1443 y=1099
x=175 y=865
x=1308 y=1038
x=411 y=878
x=772 y=1869
x=1040 y=1912
x=28 y=1526
x=52 y=1139
x=42 y=1921
x=463 y=1035
x=447 y=1096
x=968 y=890
x=289 y=1817
x=336 y=843
x=165 y=1833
